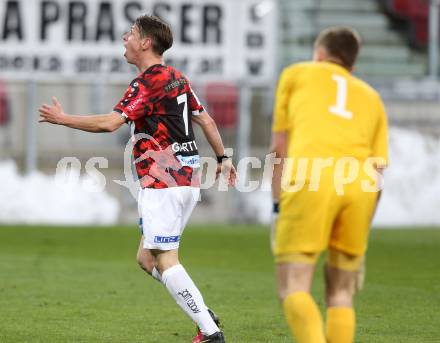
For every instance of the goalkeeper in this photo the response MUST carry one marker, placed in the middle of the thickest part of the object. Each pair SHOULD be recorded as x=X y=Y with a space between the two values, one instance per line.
x=332 y=128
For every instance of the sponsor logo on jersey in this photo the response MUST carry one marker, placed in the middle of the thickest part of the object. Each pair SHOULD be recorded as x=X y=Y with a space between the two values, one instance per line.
x=132 y=106
x=184 y=147
x=189 y=161
x=175 y=84
x=166 y=239
x=190 y=302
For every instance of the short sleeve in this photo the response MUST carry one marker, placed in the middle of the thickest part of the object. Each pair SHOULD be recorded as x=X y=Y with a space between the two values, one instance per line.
x=132 y=105
x=194 y=103
x=282 y=95
x=380 y=140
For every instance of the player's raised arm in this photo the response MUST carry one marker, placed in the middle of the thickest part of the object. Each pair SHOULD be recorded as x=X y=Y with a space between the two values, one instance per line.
x=210 y=130
x=54 y=114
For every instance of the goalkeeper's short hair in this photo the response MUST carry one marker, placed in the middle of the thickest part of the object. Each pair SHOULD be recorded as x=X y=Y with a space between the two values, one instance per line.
x=342 y=43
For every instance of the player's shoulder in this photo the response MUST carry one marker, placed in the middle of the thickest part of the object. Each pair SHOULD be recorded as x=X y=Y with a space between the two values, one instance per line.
x=365 y=87
x=138 y=80
x=165 y=70
x=310 y=70
x=176 y=74
x=163 y=77
x=296 y=68
x=138 y=84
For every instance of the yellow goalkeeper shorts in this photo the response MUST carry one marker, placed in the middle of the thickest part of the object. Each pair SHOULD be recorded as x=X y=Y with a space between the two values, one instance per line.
x=313 y=221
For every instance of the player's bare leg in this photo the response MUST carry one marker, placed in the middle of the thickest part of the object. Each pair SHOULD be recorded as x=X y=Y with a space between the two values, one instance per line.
x=165 y=259
x=147 y=261
x=185 y=292
x=294 y=277
x=340 y=285
x=301 y=311
x=340 y=288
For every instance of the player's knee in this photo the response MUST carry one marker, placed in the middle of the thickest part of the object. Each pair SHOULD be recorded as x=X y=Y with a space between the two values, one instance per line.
x=163 y=265
x=340 y=298
x=294 y=278
x=165 y=259
x=282 y=293
x=285 y=290
x=145 y=264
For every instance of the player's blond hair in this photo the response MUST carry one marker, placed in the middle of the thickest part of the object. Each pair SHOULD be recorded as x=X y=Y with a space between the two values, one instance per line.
x=342 y=43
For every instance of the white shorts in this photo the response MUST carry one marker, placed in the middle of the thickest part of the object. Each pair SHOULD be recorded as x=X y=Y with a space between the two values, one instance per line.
x=164 y=213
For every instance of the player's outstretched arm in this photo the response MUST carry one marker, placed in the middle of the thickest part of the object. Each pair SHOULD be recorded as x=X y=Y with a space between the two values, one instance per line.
x=209 y=127
x=54 y=114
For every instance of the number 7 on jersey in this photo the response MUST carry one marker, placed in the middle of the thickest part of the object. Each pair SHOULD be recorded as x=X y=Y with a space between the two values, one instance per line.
x=184 y=99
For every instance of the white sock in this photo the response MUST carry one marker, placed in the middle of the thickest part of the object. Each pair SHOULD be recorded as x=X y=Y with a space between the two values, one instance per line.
x=156 y=275
x=188 y=297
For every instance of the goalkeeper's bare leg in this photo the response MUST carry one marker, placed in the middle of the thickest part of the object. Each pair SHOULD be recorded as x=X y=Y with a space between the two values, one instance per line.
x=340 y=289
x=301 y=311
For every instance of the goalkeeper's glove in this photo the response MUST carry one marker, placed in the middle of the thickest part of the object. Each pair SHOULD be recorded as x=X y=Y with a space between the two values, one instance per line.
x=273 y=226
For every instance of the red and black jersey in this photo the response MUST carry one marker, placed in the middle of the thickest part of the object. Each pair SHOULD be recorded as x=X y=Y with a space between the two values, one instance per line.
x=159 y=104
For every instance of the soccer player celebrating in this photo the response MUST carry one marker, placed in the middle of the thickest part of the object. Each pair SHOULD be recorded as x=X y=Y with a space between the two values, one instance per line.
x=160 y=107
x=324 y=115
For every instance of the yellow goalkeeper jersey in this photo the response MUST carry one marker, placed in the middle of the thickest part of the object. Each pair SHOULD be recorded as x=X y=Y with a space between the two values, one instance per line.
x=328 y=112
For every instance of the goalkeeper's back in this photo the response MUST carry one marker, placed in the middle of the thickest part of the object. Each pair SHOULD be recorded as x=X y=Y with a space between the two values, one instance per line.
x=329 y=113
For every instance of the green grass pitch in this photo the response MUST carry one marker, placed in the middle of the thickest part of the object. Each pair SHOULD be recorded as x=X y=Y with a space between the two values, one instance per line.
x=83 y=285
